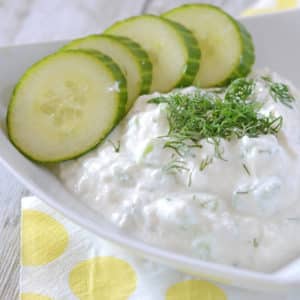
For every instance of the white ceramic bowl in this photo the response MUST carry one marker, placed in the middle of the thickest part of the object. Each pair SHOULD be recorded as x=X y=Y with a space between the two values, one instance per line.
x=277 y=41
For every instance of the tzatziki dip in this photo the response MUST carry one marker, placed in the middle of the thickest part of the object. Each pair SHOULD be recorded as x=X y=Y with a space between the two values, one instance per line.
x=215 y=178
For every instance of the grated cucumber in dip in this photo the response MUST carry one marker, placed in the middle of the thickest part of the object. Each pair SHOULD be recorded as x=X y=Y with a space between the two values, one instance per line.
x=201 y=180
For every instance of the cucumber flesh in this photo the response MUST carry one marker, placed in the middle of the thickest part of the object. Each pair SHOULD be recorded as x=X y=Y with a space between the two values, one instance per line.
x=172 y=49
x=65 y=104
x=131 y=58
x=226 y=46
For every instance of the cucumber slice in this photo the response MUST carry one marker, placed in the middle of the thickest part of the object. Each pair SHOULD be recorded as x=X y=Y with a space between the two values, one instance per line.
x=131 y=58
x=65 y=105
x=173 y=50
x=226 y=46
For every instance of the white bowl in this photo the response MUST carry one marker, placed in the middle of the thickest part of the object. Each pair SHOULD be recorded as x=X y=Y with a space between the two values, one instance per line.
x=277 y=41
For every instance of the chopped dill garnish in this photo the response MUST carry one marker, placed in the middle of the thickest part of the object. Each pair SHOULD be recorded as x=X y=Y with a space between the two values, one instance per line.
x=240 y=90
x=204 y=115
x=115 y=146
x=279 y=91
x=243 y=192
x=148 y=149
x=219 y=151
x=205 y=162
x=246 y=169
x=189 y=182
x=175 y=165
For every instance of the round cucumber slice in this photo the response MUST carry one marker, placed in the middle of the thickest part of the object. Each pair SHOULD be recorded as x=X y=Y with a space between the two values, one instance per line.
x=226 y=46
x=131 y=58
x=172 y=48
x=65 y=105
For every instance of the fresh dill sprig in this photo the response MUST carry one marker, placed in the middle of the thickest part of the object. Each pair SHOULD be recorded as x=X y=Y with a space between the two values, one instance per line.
x=189 y=182
x=246 y=169
x=204 y=115
x=243 y=192
x=279 y=91
x=205 y=162
x=239 y=90
x=175 y=165
x=219 y=151
x=115 y=146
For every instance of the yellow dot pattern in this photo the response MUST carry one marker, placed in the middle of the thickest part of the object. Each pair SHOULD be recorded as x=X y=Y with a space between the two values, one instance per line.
x=105 y=278
x=43 y=238
x=195 y=290
x=286 y=4
x=278 y=6
x=31 y=296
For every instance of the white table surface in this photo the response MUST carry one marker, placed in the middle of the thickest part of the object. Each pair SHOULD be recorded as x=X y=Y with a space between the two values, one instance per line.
x=29 y=21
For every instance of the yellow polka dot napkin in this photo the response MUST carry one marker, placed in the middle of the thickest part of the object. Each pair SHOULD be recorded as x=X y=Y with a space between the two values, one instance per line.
x=270 y=6
x=62 y=261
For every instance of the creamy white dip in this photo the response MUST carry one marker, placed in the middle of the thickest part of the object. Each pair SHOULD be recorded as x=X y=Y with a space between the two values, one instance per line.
x=224 y=213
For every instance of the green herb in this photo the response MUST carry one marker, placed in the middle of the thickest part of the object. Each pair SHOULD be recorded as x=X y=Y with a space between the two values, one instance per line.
x=115 y=146
x=205 y=162
x=246 y=191
x=279 y=91
x=240 y=90
x=219 y=151
x=209 y=204
x=204 y=115
x=246 y=169
x=177 y=145
x=175 y=165
x=255 y=243
x=190 y=179
x=148 y=149
x=243 y=192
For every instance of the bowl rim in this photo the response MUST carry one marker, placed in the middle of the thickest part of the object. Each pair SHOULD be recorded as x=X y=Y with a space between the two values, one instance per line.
x=282 y=279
